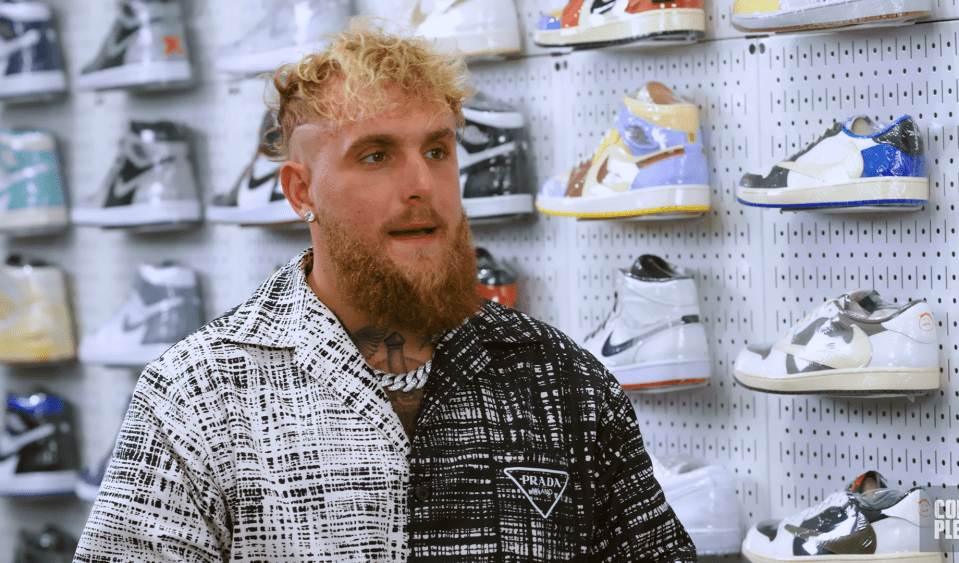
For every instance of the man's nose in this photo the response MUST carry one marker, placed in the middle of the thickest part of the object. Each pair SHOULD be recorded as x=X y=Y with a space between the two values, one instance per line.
x=417 y=178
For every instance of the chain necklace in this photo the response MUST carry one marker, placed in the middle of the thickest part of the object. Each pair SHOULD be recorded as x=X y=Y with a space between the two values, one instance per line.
x=405 y=382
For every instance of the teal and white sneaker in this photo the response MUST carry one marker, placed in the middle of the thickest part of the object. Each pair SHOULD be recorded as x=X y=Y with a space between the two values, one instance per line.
x=31 y=193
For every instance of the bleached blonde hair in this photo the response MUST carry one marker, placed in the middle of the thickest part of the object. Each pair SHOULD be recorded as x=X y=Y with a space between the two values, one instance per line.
x=358 y=76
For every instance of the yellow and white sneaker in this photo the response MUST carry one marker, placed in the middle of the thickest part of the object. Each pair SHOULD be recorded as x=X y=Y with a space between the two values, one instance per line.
x=777 y=16
x=35 y=322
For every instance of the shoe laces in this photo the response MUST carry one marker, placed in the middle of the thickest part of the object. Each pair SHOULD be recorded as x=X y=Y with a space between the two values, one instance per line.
x=808 y=317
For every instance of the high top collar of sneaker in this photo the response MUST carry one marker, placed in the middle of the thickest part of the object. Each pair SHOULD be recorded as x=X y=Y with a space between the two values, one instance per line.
x=656 y=103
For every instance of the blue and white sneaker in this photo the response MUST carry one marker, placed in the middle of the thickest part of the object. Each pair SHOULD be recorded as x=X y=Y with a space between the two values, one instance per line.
x=29 y=51
x=859 y=163
x=31 y=193
x=651 y=165
x=38 y=447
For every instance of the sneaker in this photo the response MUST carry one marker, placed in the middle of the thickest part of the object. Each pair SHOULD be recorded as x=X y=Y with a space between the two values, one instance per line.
x=651 y=163
x=492 y=160
x=36 y=326
x=866 y=521
x=162 y=308
x=291 y=30
x=859 y=163
x=856 y=344
x=257 y=197
x=38 y=447
x=52 y=545
x=704 y=498
x=479 y=29
x=652 y=340
x=29 y=52
x=31 y=191
x=613 y=22
x=496 y=282
x=146 y=49
x=757 y=16
x=151 y=182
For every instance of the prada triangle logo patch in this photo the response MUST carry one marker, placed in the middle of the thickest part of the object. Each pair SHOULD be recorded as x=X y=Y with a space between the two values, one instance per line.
x=543 y=487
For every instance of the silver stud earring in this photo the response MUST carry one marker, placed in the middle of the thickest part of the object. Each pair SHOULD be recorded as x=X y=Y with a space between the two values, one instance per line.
x=309 y=217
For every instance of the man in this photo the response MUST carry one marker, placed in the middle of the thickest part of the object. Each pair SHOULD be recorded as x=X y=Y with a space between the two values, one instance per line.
x=364 y=404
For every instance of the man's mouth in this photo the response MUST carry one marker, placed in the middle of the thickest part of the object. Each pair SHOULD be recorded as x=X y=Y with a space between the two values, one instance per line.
x=413 y=232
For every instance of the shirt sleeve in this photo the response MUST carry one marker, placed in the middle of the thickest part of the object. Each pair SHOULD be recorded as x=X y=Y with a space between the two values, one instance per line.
x=159 y=500
x=632 y=521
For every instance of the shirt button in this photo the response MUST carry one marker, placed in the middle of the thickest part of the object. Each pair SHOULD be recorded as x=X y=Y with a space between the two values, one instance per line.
x=422 y=492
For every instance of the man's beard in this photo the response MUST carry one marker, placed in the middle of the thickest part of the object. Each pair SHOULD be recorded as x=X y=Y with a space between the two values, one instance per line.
x=426 y=301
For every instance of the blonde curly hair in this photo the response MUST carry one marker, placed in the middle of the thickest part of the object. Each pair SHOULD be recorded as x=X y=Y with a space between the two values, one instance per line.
x=357 y=75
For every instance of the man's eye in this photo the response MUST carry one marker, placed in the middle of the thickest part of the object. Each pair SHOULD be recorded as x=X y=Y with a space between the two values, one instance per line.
x=438 y=154
x=375 y=157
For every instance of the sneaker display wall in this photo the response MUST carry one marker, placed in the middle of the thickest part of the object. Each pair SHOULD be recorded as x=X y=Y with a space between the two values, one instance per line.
x=856 y=344
x=38 y=446
x=477 y=28
x=613 y=22
x=760 y=16
x=31 y=191
x=703 y=495
x=859 y=163
x=29 y=52
x=496 y=282
x=256 y=197
x=150 y=184
x=492 y=156
x=291 y=30
x=651 y=163
x=163 y=306
x=51 y=545
x=36 y=326
x=653 y=340
x=866 y=521
x=146 y=48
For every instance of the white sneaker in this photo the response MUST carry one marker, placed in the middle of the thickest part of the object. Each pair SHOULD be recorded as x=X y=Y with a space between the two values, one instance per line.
x=290 y=31
x=758 y=16
x=162 y=308
x=703 y=496
x=257 y=197
x=866 y=521
x=151 y=182
x=478 y=28
x=856 y=344
x=652 y=340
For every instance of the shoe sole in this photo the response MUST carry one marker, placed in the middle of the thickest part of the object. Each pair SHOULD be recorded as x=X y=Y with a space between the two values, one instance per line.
x=138 y=214
x=34 y=220
x=907 y=557
x=494 y=43
x=41 y=483
x=158 y=75
x=659 y=377
x=652 y=23
x=863 y=381
x=691 y=199
x=276 y=213
x=47 y=82
x=715 y=541
x=892 y=191
x=512 y=204
x=835 y=15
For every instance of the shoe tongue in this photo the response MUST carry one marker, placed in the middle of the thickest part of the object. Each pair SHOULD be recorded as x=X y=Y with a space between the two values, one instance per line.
x=861 y=125
x=866 y=482
x=865 y=302
x=656 y=93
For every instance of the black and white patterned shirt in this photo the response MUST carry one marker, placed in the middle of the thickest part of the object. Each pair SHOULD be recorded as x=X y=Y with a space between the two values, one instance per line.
x=266 y=437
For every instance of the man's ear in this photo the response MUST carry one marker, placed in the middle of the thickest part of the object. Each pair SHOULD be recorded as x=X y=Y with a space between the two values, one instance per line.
x=295 y=179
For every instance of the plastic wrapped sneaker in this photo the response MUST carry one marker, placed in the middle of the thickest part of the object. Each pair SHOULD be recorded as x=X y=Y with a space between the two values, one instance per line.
x=614 y=22
x=36 y=326
x=151 y=183
x=496 y=282
x=146 y=49
x=651 y=165
x=859 y=164
x=291 y=30
x=31 y=192
x=856 y=344
x=29 y=52
x=765 y=16
x=653 y=340
x=866 y=521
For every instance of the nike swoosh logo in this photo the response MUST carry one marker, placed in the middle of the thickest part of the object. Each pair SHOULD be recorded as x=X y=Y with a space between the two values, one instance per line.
x=25 y=41
x=468 y=159
x=255 y=182
x=127 y=181
x=858 y=542
x=8 y=180
x=849 y=167
x=641 y=162
x=610 y=349
x=835 y=353
x=11 y=444
x=113 y=49
x=149 y=312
